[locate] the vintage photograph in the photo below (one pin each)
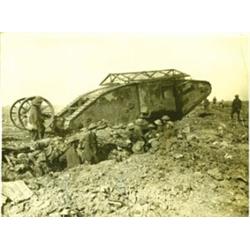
(124, 125)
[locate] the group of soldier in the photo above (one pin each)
(140, 131)
(235, 107)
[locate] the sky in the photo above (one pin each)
(62, 66)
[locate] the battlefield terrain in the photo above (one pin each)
(199, 168)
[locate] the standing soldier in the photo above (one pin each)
(91, 147)
(36, 120)
(214, 101)
(206, 104)
(221, 104)
(236, 107)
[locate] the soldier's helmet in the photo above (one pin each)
(165, 118)
(37, 100)
(170, 124)
(158, 122)
(151, 126)
(236, 96)
(141, 122)
(131, 126)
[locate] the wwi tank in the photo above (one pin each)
(123, 97)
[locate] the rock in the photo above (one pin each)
(117, 204)
(191, 137)
(216, 174)
(16, 209)
(186, 130)
(240, 175)
(21, 156)
(92, 125)
(228, 156)
(224, 144)
(16, 190)
(180, 136)
(178, 156)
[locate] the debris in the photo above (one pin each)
(228, 156)
(16, 190)
(178, 156)
(216, 174)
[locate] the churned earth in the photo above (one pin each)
(200, 171)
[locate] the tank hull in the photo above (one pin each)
(124, 103)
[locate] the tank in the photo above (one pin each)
(123, 97)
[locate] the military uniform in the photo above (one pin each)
(236, 107)
(91, 148)
(35, 120)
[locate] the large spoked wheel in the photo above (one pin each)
(14, 113)
(47, 111)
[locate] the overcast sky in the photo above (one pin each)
(62, 66)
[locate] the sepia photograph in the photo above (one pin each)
(124, 125)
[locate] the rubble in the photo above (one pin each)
(16, 191)
(180, 168)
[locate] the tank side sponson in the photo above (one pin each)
(190, 94)
(119, 105)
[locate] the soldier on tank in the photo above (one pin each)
(36, 119)
(236, 107)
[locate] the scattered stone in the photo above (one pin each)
(186, 130)
(178, 156)
(224, 144)
(216, 174)
(228, 156)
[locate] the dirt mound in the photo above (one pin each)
(198, 167)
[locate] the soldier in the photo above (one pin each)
(214, 101)
(36, 120)
(140, 128)
(91, 147)
(72, 157)
(206, 104)
(236, 107)
(221, 103)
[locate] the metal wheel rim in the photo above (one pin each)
(12, 114)
(20, 114)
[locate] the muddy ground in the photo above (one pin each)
(203, 173)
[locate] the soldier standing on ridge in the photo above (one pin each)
(236, 107)
(206, 104)
(36, 120)
(214, 101)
